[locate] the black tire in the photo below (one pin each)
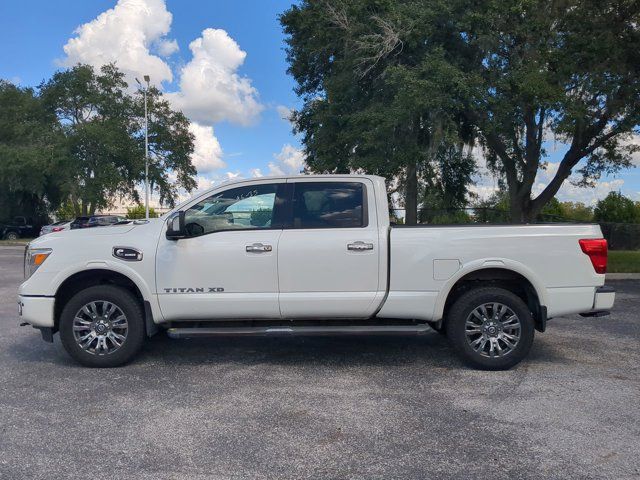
(463, 309)
(122, 299)
(11, 236)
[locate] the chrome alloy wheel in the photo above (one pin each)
(493, 330)
(100, 327)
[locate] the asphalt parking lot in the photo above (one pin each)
(336, 407)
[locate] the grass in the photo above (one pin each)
(19, 242)
(624, 261)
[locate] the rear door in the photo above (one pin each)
(328, 251)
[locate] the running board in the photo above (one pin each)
(298, 330)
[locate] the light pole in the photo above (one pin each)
(146, 148)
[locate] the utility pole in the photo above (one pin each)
(146, 148)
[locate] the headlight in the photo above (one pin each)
(33, 258)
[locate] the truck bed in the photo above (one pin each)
(427, 260)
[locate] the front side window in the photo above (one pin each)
(248, 207)
(329, 205)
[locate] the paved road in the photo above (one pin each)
(371, 407)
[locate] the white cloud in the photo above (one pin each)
(204, 183)
(291, 159)
(487, 184)
(275, 170)
(233, 176)
(14, 80)
(633, 140)
(589, 196)
(207, 153)
(166, 48)
(135, 34)
(124, 34)
(210, 88)
(284, 112)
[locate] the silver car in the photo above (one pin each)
(55, 227)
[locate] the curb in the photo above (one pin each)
(623, 276)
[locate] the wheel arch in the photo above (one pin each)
(89, 277)
(510, 275)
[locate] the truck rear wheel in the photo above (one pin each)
(11, 236)
(490, 328)
(102, 326)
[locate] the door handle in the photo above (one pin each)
(359, 246)
(258, 248)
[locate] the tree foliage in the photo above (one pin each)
(31, 156)
(104, 138)
(385, 81)
(536, 69)
(370, 86)
(139, 211)
(617, 208)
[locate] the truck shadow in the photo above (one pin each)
(430, 350)
(300, 350)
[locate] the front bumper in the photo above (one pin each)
(36, 310)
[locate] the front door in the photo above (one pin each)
(329, 252)
(227, 266)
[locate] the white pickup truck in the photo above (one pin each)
(308, 255)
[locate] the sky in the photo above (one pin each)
(222, 62)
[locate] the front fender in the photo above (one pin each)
(48, 283)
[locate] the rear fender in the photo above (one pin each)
(483, 264)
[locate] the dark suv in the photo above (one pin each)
(19, 227)
(104, 220)
(96, 221)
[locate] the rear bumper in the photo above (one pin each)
(36, 310)
(604, 298)
(603, 301)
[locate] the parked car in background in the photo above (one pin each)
(19, 227)
(97, 221)
(79, 222)
(104, 220)
(55, 227)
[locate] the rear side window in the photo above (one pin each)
(329, 205)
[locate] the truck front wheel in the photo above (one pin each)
(490, 328)
(102, 326)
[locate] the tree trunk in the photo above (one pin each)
(522, 209)
(516, 207)
(411, 195)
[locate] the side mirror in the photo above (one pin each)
(175, 226)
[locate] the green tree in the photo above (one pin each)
(383, 81)
(31, 155)
(533, 69)
(577, 211)
(617, 208)
(103, 128)
(138, 212)
(371, 90)
(443, 189)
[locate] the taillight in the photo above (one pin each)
(57, 229)
(596, 248)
